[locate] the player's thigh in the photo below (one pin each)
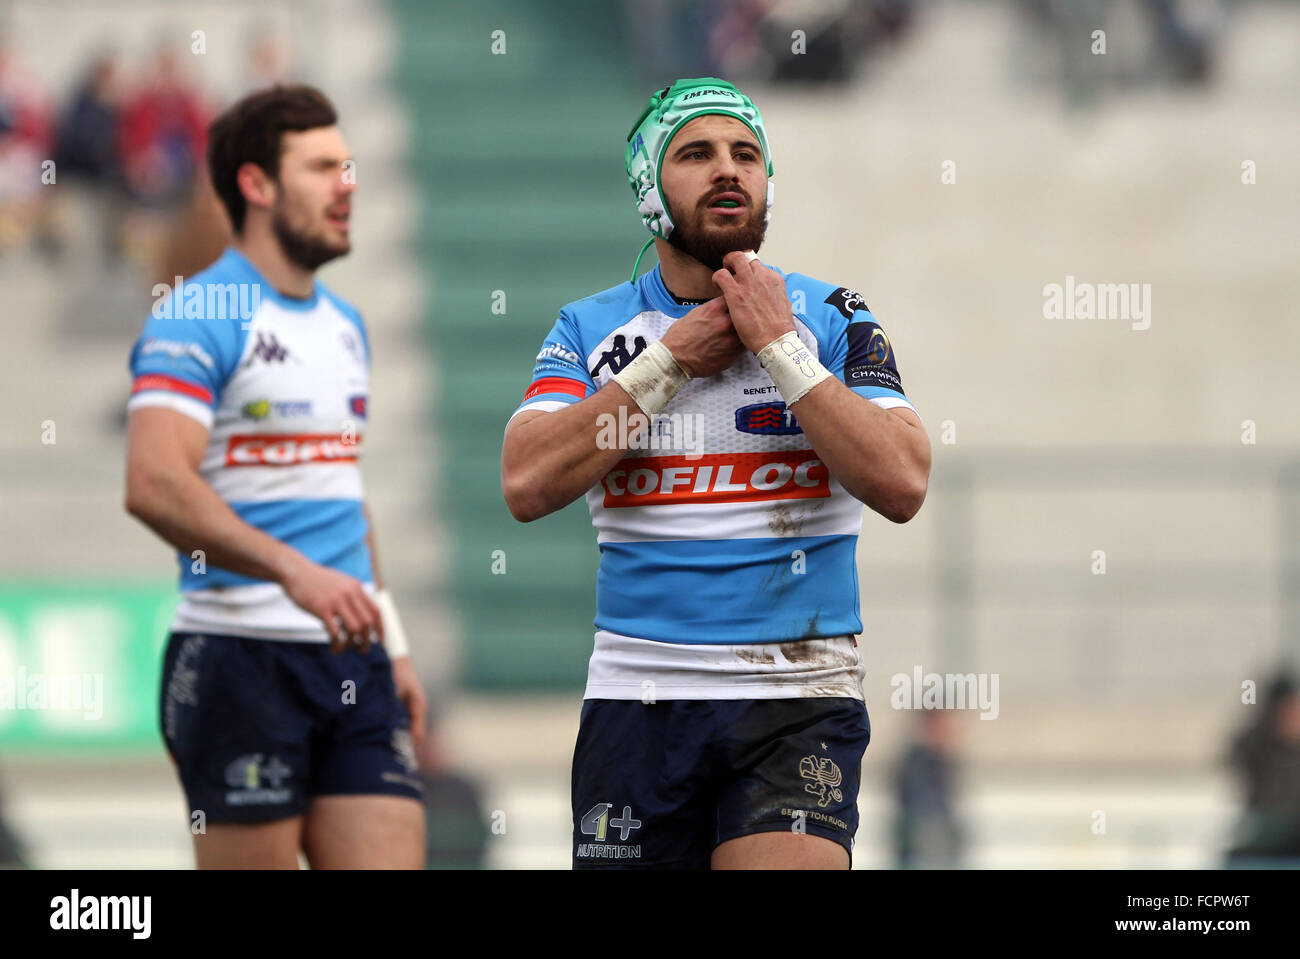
(640, 787)
(792, 803)
(263, 845)
(364, 832)
(780, 850)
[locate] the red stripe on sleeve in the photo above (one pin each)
(556, 384)
(156, 381)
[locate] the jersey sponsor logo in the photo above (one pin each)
(261, 409)
(290, 450)
(870, 358)
(771, 419)
(176, 349)
(557, 351)
(598, 824)
(156, 381)
(556, 384)
(351, 342)
(618, 356)
(268, 349)
(847, 302)
(256, 783)
(826, 779)
(717, 478)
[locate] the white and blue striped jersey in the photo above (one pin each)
(282, 385)
(723, 538)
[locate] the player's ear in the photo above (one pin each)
(258, 188)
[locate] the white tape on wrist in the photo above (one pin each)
(394, 635)
(653, 378)
(792, 366)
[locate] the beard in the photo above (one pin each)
(302, 249)
(709, 243)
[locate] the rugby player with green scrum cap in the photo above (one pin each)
(726, 422)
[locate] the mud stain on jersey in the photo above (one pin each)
(782, 521)
(757, 657)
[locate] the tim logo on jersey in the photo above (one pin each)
(768, 419)
(870, 359)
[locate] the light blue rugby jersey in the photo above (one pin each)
(725, 528)
(282, 385)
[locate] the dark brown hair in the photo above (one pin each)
(250, 132)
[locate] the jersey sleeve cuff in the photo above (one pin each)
(543, 406)
(889, 402)
(192, 408)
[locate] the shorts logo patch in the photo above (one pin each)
(597, 824)
(404, 749)
(247, 775)
(826, 778)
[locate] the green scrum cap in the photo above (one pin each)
(667, 112)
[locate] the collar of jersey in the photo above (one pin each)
(658, 296)
(244, 264)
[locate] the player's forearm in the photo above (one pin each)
(878, 457)
(188, 514)
(551, 460)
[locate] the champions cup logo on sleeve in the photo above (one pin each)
(717, 478)
(870, 359)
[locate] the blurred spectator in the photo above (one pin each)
(835, 37)
(24, 144)
(163, 135)
(1266, 755)
(86, 154)
(927, 833)
(162, 138)
(456, 831)
(86, 146)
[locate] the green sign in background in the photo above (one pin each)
(99, 648)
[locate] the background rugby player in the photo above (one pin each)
(289, 724)
(723, 722)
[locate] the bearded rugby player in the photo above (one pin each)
(724, 723)
(288, 697)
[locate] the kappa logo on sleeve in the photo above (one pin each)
(847, 302)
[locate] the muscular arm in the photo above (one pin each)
(881, 457)
(165, 492)
(550, 459)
